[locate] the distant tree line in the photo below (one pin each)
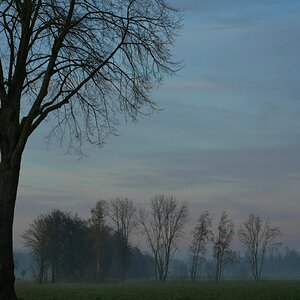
(65, 247)
(257, 238)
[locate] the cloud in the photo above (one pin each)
(230, 5)
(257, 169)
(201, 5)
(215, 84)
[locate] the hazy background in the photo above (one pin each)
(227, 139)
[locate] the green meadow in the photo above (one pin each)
(244, 290)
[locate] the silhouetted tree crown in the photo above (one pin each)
(80, 64)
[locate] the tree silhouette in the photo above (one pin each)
(58, 244)
(222, 253)
(201, 235)
(162, 227)
(98, 231)
(122, 212)
(79, 64)
(36, 240)
(258, 237)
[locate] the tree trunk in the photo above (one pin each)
(194, 269)
(218, 270)
(97, 268)
(9, 179)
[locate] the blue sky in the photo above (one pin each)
(227, 138)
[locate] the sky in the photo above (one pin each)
(227, 138)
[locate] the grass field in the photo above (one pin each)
(266, 290)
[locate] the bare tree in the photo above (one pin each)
(222, 253)
(162, 227)
(123, 214)
(202, 234)
(257, 237)
(98, 230)
(79, 64)
(36, 240)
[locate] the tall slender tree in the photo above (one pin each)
(201, 234)
(222, 252)
(98, 232)
(123, 215)
(79, 63)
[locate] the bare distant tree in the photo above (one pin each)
(201, 235)
(222, 253)
(162, 227)
(79, 63)
(36, 240)
(98, 230)
(257, 237)
(123, 214)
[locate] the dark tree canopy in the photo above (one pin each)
(80, 64)
(62, 248)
